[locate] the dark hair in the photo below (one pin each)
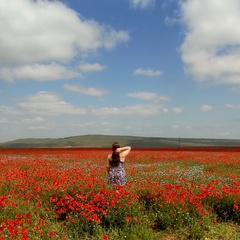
(115, 155)
(115, 145)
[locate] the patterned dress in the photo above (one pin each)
(117, 175)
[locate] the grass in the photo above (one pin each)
(105, 141)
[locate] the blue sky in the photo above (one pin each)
(119, 67)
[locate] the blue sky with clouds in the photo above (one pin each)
(167, 68)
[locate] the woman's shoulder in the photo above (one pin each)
(109, 156)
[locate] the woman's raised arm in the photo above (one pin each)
(124, 151)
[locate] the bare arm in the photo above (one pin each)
(124, 151)
(108, 167)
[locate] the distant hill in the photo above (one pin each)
(105, 141)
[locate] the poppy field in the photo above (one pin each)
(170, 194)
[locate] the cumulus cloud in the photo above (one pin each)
(87, 67)
(211, 48)
(37, 123)
(143, 110)
(148, 72)
(232, 106)
(39, 127)
(87, 91)
(206, 108)
(171, 21)
(37, 72)
(142, 4)
(84, 124)
(4, 121)
(35, 33)
(149, 96)
(93, 125)
(5, 110)
(47, 103)
(33, 120)
(177, 110)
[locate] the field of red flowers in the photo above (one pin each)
(170, 194)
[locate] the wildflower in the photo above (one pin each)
(24, 231)
(105, 237)
(51, 234)
(38, 205)
(235, 206)
(18, 216)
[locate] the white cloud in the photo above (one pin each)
(143, 110)
(177, 110)
(232, 106)
(142, 3)
(84, 125)
(4, 121)
(37, 72)
(211, 49)
(4, 110)
(37, 123)
(33, 120)
(171, 21)
(46, 103)
(110, 38)
(225, 134)
(39, 128)
(87, 91)
(87, 67)
(93, 125)
(149, 96)
(206, 108)
(165, 110)
(36, 33)
(147, 72)
(175, 126)
(181, 128)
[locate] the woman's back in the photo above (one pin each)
(115, 165)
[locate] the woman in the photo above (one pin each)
(115, 165)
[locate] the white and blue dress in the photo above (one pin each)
(117, 174)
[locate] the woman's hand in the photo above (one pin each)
(122, 149)
(118, 150)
